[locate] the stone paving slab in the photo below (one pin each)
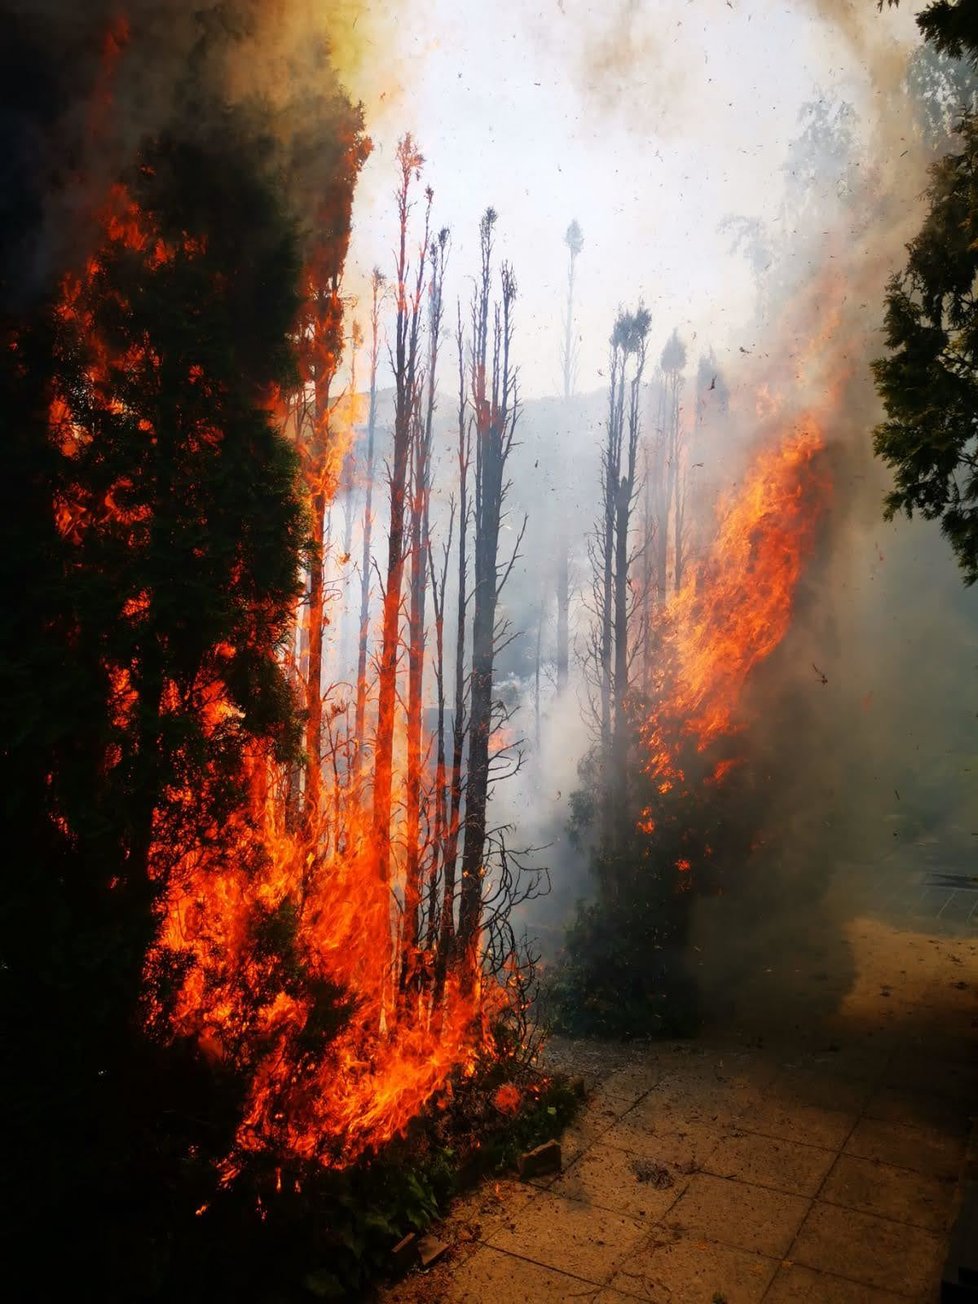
(869, 1186)
(792, 1167)
(738, 1213)
(492, 1275)
(921, 1149)
(811, 1169)
(571, 1236)
(795, 1284)
(671, 1266)
(622, 1182)
(869, 1250)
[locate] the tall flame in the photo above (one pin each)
(278, 947)
(735, 605)
(391, 1055)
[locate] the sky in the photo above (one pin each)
(647, 121)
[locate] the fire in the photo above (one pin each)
(393, 1052)
(735, 606)
(279, 944)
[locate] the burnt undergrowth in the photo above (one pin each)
(153, 1221)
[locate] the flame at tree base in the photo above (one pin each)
(287, 949)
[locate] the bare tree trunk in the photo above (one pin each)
(327, 309)
(611, 560)
(348, 485)
(314, 669)
(417, 588)
(677, 481)
(648, 535)
(366, 560)
(438, 589)
(420, 547)
(405, 360)
(446, 942)
(617, 792)
(662, 488)
(536, 675)
(610, 476)
(671, 364)
(495, 406)
(574, 241)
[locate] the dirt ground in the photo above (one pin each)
(817, 1163)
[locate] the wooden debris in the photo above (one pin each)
(537, 1163)
(404, 1255)
(430, 1250)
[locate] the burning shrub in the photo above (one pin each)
(683, 817)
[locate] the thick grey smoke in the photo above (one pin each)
(85, 85)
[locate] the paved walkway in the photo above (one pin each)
(733, 1170)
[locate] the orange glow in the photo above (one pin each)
(507, 1098)
(392, 1056)
(736, 604)
(288, 943)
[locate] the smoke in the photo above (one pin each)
(859, 724)
(87, 85)
(856, 737)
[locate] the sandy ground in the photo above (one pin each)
(816, 1162)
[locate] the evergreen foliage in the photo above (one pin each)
(151, 548)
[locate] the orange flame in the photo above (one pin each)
(391, 1056)
(735, 606)
(283, 948)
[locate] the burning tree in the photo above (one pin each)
(495, 404)
(663, 783)
(322, 431)
(612, 558)
(574, 240)
(161, 508)
(377, 283)
(234, 991)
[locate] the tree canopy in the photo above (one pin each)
(152, 545)
(929, 381)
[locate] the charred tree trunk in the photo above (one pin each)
(314, 667)
(325, 347)
(648, 536)
(672, 362)
(438, 589)
(536, 674)
(495, 407)
(417, 589)
(574, 240)
(446, 942)
(366, 559)
(617, 792)
(661, 493)
(348, 485)
(420, 547)
(405, 366)
(612, 646)
(610, 477)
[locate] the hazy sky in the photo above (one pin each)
(648, 121)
